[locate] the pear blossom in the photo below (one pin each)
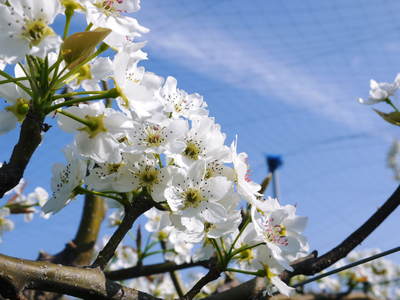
(203, 141)
(245, 186)
(24, 28)
(17, 109)
(195, 200)
(380, 91)
(178, 103)
(280, 229)
(5, 224)
(92, 73)
(99, 141)
(161, 137)
(110, 14)
(137, 87)
(65, 179)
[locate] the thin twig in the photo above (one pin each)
(348, 266)
(172, 274)
(315, 265)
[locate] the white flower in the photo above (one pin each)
(150, 137)
(5, 224)
(99, 141)
(247, 188)
(108, 14)
(203, 141)
(380, 91)
(280, 229)
(157, 220)
(18, 107)
(178, 103)
(90, 74)
(24, 28)
(195, 200)
(137, 88)
(65, 179)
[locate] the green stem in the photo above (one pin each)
(89, 26)
(13, 80)
(113, 93)
(83, 191)
(219, 253)
(241, 249)
(246, 222)
(68, 15)
(103, 47)
(255, 273)
(6, 75)
(391, 104)
(68, 95)
(73, 117)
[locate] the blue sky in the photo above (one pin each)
(284, 76)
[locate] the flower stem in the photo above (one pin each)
(73, 117)
(12, 79)
(68, 16)
(391, 104)
(255, 273)
(83, 191)
(108, 94)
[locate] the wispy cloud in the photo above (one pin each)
(248, 67)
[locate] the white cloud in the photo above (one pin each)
(248, 67)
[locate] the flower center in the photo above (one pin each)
(192, 197)
(109, 6)
(246, 255)
(35, 31)
(192, 150)
(148, 176)
(113, 168)
(154, 137)
(96, 125)
(84, 73)
(275, 233)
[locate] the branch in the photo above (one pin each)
(132, 211)
(312, 264)
(79, 252)
(86, 283)
(213, 274)
(315, 265)
(29, 139)
(139, 271)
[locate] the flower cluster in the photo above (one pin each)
(144, 137)
(379, 278)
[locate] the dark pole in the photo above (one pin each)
(273, 163)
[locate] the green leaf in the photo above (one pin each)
(392, 118)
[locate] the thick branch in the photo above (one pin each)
(132, 212)
(79, 252)
(29, 139)
(86, 283)
(139, 271)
